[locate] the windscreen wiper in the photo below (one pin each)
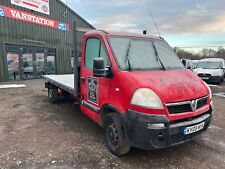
(158, 58)
(127, 59)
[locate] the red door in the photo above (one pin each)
(93, 89)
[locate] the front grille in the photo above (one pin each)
(179, 108)
(180, 137)
(204, 75)
(192, 118)
(177, 135)
(187, 106)
(201, 103)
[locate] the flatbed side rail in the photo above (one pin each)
(59, 85)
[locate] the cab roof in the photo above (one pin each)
(127, 34)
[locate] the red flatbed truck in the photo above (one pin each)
(136, 88)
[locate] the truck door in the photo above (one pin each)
(93, 90)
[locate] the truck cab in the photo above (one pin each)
(136, 88)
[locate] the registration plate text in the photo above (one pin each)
(193, 129)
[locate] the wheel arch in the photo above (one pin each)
(106, 109)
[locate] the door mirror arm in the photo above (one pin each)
(109, 72)
(189, 67)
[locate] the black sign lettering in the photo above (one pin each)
(93, 89)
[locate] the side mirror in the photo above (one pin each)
(99, 67)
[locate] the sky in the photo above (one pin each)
(189, 24)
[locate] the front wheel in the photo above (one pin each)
(220, 81)
(116, 140)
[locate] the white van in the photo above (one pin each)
(188, 64)
(211, 70)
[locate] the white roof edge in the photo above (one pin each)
(212, 59)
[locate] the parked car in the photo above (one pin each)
(211, 70)
(194, 63)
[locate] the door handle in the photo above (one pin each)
(82, 80)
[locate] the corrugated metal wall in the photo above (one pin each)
(14, 32)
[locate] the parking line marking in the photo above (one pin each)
(12, 86)
(213, 85)
(215, 127)
(221, 94)
(215, 144)
(210, 85)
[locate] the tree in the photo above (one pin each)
(205, 53)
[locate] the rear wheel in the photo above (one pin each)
(53, 94)
(116, 140)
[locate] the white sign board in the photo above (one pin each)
(36, 5)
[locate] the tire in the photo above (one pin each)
(115, 138)
(218, 83)
(66, 95)
(53, 94)
(221, 80)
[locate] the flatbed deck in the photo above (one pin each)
(65, 82)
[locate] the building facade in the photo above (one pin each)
(36, 38)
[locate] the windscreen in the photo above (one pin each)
(143, 54)
(210, 65)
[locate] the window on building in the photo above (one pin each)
(13, 66)
(12, 58)
(72, 57)
(51, 61)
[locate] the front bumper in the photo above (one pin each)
(211, 79)
(140, 136)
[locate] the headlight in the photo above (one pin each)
(195, 71)
(210, 92)
(146, 98)
(217, 73)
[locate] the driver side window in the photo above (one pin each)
(95, 48)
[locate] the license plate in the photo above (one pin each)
(193, 129)
(205, 78)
